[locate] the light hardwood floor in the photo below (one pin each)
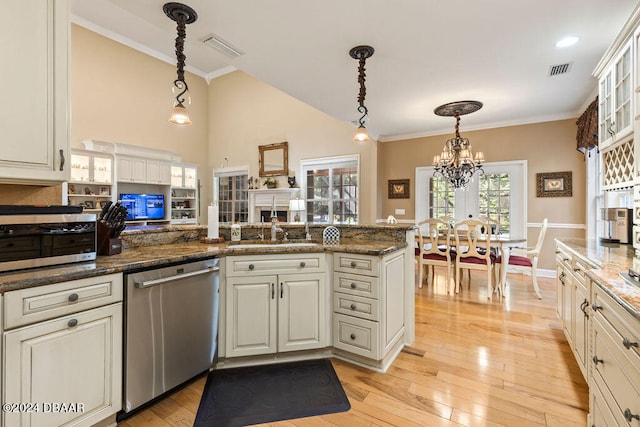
(473, 363)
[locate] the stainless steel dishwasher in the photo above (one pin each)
(171, 326)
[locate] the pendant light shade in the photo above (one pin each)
(180, 116)
(361, 135)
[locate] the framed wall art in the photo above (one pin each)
(398, 188)
(554, 184)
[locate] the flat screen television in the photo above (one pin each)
(143, 206)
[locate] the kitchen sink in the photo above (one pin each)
(272, 244)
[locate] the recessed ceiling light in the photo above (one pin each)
(567, 41)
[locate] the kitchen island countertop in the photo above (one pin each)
(611, 260)
(145, 257)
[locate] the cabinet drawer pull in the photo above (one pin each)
(273, 291)
(576, 269)
(353, 285)
(353, 264)
(630, 416)
(302, 264)
(281, 290)
(73, 297)
(353, 306)
(565, 259)
(353, 336)
(628, 344)
(251, 267)
(73, 322)
(596, 360)
(596, 307)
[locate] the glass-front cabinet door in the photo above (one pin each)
(615, 117)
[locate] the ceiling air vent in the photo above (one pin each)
(222, 46)
(559, 69)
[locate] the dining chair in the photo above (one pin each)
(474, 256)
(435, 250)
(527, 263)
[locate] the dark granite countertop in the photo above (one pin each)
(144, 257)
(611, 260)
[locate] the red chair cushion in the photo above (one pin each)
(475, 260)
(417, 251)
(521, 261)
(435, 257)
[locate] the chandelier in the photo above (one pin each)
(456, 163)
(182, 15)
(361, 53)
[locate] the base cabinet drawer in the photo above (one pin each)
(355, 335)
(351, 305)
(355, 284)
(26, 306)
(355, 263)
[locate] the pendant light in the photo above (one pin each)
(361, 53)
(182, 15)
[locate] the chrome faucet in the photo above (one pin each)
(274, 229)
(261, 235)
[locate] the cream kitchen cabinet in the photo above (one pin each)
(573, 302)
(615, 120)
(131, 169)
(615, 361)
(35, 122)
(368, 307)
(63, 345)
(143, 171)
(275, 304)
(184, 194)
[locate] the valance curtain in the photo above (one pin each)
(587, 135)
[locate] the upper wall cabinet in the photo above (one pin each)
(614, 112)
(617, 107)
(35, 120)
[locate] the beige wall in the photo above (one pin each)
(246, 113)
(547, 147)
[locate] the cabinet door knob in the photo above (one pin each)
(353, 285)
(71, 323)
(73, 297)
(353, 264)
(251, 266)
(302, 264)
(596, 360)
(630, 416)
(353, 306)
(353, 336)
(628, 343)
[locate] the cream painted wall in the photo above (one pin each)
(547, 147)
(246, 113)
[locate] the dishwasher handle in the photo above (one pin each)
(149, 283)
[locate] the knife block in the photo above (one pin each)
(107, 244)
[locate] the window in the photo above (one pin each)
(230, 190)
(494, 201)
(331, 189)
(500, 194)
(441, 198)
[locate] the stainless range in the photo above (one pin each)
(37, 236)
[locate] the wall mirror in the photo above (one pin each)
(274, 159)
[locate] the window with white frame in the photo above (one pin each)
(499, 193)
(230, 191)
(331, 189)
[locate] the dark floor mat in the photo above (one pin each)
(260, 394)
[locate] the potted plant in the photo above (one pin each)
(270, 182)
